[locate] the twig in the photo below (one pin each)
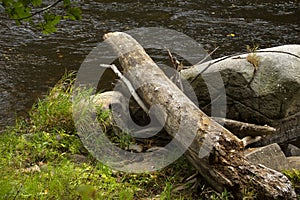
(209, 64)
(208, 55)
(283, 52)
(129, 86)
(243, 129)
(40, 11)
(178, 66)
(174, 61)
(250, 140)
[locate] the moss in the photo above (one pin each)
(294, 176)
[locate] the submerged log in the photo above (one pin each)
(215, 152)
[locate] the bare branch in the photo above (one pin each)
(243, 129)
(129, 86)
(40, 11)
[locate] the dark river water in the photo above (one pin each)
(31, 63)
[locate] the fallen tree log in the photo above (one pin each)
(249, 133)
(242, 129)
(215, 152)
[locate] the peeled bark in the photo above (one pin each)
(215, 152)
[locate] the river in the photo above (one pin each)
(31, 63)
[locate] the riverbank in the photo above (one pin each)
(43, 158)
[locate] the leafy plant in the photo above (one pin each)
(55, 111)
(294, 176)
(225, 195)
(42, 17)
(166, 195)
(86, 192)
(126, 195)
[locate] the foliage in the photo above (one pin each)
(39, 15)
(55, 110)
(40, 160)
(294, 176)
(225, 195)
(37, 159)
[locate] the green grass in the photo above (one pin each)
(37, 159)
(40, 160)
(294, 176)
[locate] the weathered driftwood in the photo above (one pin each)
(250, 133)
(106, 99)
(287, 131)
(222, 163)
(242, 129)
(131, 89)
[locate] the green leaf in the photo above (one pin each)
(86, 192)
(74, 13)
(6, 3)
(51, 21)
(67, 4)
(20, 11)
(36, 2)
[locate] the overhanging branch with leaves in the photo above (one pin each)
(21, 11)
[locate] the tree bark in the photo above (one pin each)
(242, 129)
(215, 152)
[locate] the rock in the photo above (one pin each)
(135, 147)
(294, 162)
(292, 150)
(270, 96)
(31, 169)
(270, 156)
(78, 158)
